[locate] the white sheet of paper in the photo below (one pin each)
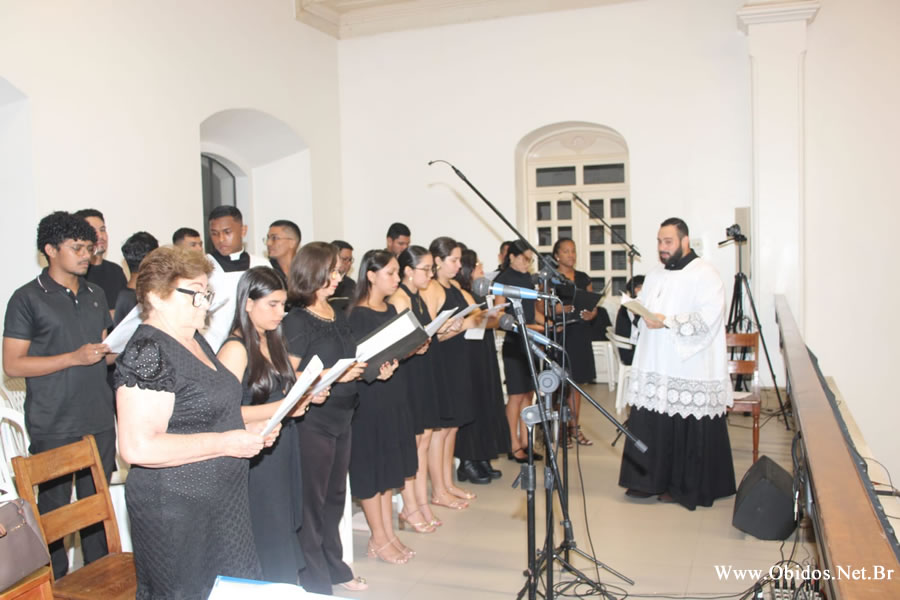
(438, 322)
(299, 388)
(386, 337)
(477, 333)
(468, 310)
(118, 337)
(637, 308)
(334, 373)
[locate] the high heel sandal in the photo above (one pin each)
(454, 503)
(357, 584)
(406, 550)
(373, 552)
(463, 494)
(576, 434)
(419, 526)
(435, 522)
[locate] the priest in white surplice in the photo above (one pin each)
(679, 384)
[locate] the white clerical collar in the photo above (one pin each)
(236, 255)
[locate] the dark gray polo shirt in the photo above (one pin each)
(74, 401)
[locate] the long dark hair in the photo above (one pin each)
(262, 375)
(468, 262)
(516, 248)
(372, 262)
(310, 271)
(411, 257)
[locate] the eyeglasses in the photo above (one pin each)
(275, 238)
(348, 260)
(426, 269)
(198, 297)
(80, 248)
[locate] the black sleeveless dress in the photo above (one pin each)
(578, 335)
(276, 496)
(423, 393)
(383, 453)
(515, 361)
(452, 371)
(488, 435)
(189, 523)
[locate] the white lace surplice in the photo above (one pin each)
(682, 369)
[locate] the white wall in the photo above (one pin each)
(853, 211)
(672, 78)
(281, 191)
(118, 91)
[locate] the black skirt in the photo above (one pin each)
(688, 458)
(515, 366)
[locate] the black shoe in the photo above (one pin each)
(538, 456)
(468, 471)
(491, 471)
(631, 493)
(522, 460)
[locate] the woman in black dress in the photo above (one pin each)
(452, 375)
(416, 272)
(578, 335)
(181, 429)
(311, 328)
(519, 385)
(384, 443)
(487, 436)
(257, 355)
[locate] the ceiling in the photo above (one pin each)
(344, 19)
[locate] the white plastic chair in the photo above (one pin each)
(13, 442)
(12, 390)
(617, 341)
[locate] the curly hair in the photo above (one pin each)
(59, 226)
(162, 268)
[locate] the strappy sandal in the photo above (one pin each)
(579, 437)
(454, 503)
(379, 553)
(463, 494)
(406, 550)
(419, 526)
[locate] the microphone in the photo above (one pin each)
(508, 323)
(486, 287)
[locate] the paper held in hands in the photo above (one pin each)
(477, 333)
(438, 321)
(299, 388)
(639, 309)
(333, 374)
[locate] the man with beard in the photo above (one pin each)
(679, 386)
(53, 336)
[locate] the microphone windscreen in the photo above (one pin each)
(507, 323)
(482, 286)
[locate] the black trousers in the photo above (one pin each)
(58, 492)
(325, 459)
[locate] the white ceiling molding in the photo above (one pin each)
(776, 11)
(357, 18)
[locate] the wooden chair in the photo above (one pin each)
(36, 586)
(742, 344)
(110, 577)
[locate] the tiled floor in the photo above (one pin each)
(480, 553)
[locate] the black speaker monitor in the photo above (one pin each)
(764, 505)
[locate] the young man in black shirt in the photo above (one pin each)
(108, 275)
(53, 336)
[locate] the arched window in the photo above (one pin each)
(592, 161)
(219, 189)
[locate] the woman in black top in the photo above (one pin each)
(577, 335)
(625, 319)
(312, 328)
(519, 385)
(453, 374)
(256, 354)
(416, 271)
(384, 442)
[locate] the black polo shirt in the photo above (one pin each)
(109, 276)
(77, 400)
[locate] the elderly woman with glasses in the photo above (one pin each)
(180, 426)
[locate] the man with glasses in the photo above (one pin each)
(53, 336)
(230, 260)
(282, 243)
(344, 290)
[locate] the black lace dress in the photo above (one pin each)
(383, 453)
(276, 496)
(419, 368)
(189, 523)
(452, 370)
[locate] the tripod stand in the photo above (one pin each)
(736, 320)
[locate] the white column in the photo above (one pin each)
(776, 32)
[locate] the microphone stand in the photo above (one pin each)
(632, 251)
